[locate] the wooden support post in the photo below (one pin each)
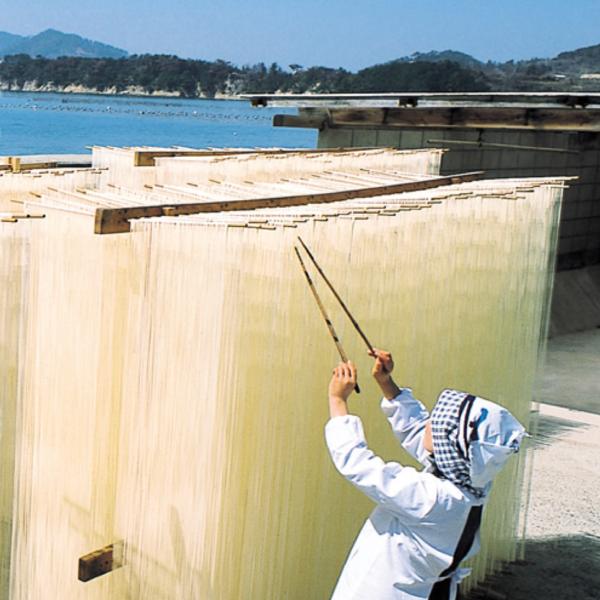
(15, 164)
(116, 220)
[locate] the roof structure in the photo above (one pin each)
(495, 110)
(430, 99)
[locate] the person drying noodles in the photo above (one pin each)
(426, 522)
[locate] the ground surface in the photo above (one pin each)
(562, 542)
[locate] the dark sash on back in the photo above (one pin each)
(441, 590)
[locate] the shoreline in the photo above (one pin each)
(130, 92)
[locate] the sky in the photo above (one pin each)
(334, 33)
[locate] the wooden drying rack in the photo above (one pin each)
(146, 157)
(116, 220)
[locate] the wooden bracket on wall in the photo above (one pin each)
(116, 220)
(99, 562)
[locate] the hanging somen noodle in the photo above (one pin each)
(172, 391)
(13, 281)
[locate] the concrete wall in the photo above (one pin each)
(575, 301)
(580, 222)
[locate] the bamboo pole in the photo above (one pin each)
(330, 328)
(338, 298)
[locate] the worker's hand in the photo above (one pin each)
(343, 382)
(383, 366)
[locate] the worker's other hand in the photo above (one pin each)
(343, 381)
(383, 366)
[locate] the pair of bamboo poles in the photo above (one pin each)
(330, 327)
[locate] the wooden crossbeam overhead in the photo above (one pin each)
(551, 119)
(116, 220)
(423, 99)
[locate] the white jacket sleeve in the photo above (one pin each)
(402, 490)
(407, 417)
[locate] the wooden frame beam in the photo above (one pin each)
(423, 99)
(16, 165)
(116, 220)
(549, 119)
(146, 158)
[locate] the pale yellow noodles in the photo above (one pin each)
(17, 188)
(172, 391)
(13, 281)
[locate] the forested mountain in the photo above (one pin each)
(52, 44)
(197, 78)
(442, 76)
(465, 60)
(578, 70)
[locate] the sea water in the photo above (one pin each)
(47, 123)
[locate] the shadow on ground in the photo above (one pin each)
(547, 428)
(570, 375)
(558, 568)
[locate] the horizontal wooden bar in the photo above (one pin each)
(391, 99)
(17, 166)
(28, 216)
(478, 144)
(116, 220)
(548, 119)
(14, 217)
(146, 158)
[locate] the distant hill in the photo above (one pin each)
(7, 40)
(583, 59)
(464, 60)
(53, 44)
(431, 76)
(576, 70)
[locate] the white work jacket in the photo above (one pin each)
(410, 538)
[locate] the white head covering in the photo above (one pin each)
(472, 439)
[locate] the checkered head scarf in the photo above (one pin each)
(472, 439)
